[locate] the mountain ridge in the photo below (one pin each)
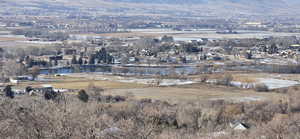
(215, 7)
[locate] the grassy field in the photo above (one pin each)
(253, 76)
(76, 83)
(102, 84)
(192, 35)
(11, 39)
(197, 92)
(190, 92)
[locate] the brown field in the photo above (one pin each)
(197, 92)
(252, 76)
(193, 92)
(77, 83)
(11, 39)
(125, 35)
(197, 34)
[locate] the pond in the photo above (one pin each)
(168, 70)
(130, 70)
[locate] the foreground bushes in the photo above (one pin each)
(36, 118)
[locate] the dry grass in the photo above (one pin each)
(173, 93)
(195, 92)
(102, 84)
(244, 79)
(11, 39)
(82, 84)
(201, 34)
(251, 77)
(126, 34)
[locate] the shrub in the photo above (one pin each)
(83, 96)
(94, 91)
(225, 80)
(294, 104)
(261, 88)
(119, 98)
(282, 90)
(233, 110)
(146, 100)
(50, 95)
(112, 99)
(204, 78)
(28, 89)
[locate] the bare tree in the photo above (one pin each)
(12, 68)
(34, 72)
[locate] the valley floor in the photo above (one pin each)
(117, 85)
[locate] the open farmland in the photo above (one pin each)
(149, 69)
(198, 92)
(175, 94)
(82, 83)
(4, 39)
(193, 35)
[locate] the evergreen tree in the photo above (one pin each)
(248, 55)
(80, 61)
(273, 49)
(102, 55)
(55, 62)
(29, 61)
(74, 60)
(8, 92)
(83, 96)
(50, 95)
(92, 59)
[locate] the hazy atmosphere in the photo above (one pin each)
(149, 69)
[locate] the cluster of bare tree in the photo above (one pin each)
(45, 34)
(12, 68)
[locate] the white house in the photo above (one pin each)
(239, 126)
(20, 78)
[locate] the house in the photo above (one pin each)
(69, 51)
(2, 88)
(171, 59)
(2, 24)
(295, 47)
(54, 58)
(63, 62)
(112, 131)
(254, 24)
(132, 59)
(117, 61)
(191, 58)
(61, 90)
(59, 75)
(20, 78)
(239, 126)
(44, 88)
(18, 91)
(213, 56)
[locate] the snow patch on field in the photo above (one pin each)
(277, 83)
(242, 99)
(271, 83)
(163, 82)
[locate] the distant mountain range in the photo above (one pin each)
(197, 2)
(191, 1)
(166, 7)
